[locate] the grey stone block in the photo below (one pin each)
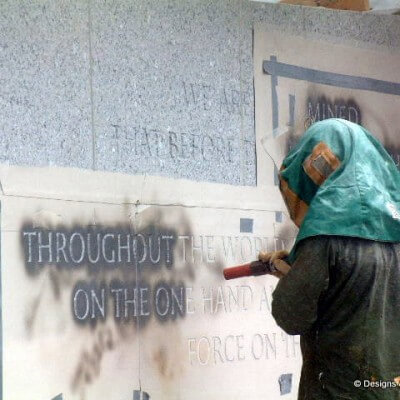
(172, 89)
(44, 83)
(288, 17)
(393, 31)
(357, 29)
(170, 97)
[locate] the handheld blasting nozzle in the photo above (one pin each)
(254, 268)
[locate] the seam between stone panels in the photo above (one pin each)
(94, 161)
(136, 213)
(134, 203)
(242, 151)
(254, 133)
(142, 188)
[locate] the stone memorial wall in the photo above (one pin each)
(135, 164)
(147, 87)
(104, 298)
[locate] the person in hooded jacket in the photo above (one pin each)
(341, 292)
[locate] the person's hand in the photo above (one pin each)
(275, 258)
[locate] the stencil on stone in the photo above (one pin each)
(277, 69)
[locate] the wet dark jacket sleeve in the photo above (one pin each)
(295, 299)
(342, 295)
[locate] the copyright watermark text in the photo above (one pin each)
(376, 384)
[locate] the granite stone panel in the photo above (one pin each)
(44, 83)
(171, 97)
(148, 87)
(393, 31)
(359, 29)
(289, 18)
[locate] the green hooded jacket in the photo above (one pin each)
(342, 293)
(346, 184)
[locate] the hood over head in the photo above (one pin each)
(339, 180)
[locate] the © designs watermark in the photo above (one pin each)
(377, 384)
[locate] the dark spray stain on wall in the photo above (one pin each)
(117, 262)
(119, 279)
(320, 107)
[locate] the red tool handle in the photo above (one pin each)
(238, 271)
(251, 269)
